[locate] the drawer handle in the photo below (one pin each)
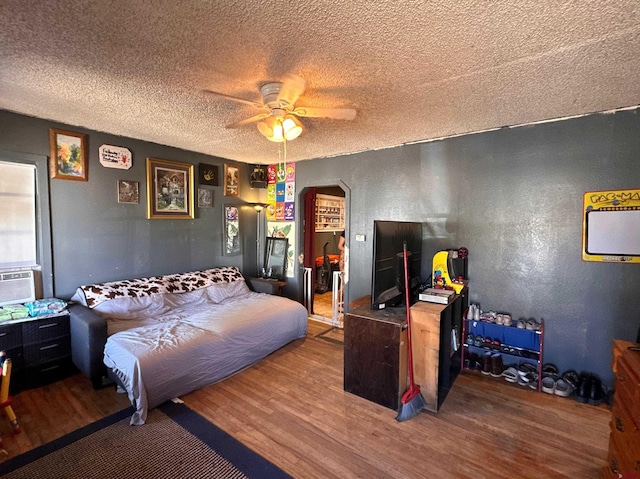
(47, 325)
(619, 424)
(3, 334)
(49, 347)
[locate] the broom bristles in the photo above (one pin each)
(411, 407)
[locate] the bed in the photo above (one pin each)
(167, 336)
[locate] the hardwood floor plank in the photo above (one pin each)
(291, 408)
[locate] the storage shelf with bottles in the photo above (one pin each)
(516, 345)
(329, 213)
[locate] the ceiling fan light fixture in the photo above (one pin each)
(291, 127)
(278, 130)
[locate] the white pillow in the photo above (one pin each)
(217, 293)
(128, 306)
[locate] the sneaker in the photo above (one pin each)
(532, 325)
(521, 324)
(507, 319)
(510, 374)
(548, 385)
(563, 388)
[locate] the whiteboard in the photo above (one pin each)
(613, 232)
(611, 226)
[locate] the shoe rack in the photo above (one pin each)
(515, 344)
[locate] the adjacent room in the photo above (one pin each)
(314, 239)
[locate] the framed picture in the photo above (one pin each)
(170, 192)
(208, 175)
(205, 198)
(128, 192)
(68, 152)
(231, 180)
(231, 230)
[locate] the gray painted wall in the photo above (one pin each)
(96, 239)
(513, 197)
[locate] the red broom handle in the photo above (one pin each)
(407, 301)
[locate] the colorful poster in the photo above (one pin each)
(289, 191)
(289, 211)
(279, 192)
(271, 174)
(290, 173)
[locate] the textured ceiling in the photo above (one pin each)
(413, 70)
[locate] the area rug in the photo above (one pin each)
(175, 443)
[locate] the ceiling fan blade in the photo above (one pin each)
(291, 89)
(233, 98)
(253, 119)
(332, 113)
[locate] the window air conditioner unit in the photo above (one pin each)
(16, 287)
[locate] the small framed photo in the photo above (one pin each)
(205, 198)
(231, 180)
(208, 175)
(128, 192)
(68, 152)
(170, 192)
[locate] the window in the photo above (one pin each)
(17, 215)
(25, 225)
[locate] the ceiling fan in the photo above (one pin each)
(278, 111)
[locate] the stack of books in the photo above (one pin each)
(440, 296)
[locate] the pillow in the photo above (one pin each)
(91, 295)
(217, 293)
(126, 306)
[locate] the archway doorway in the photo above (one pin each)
(325, 264)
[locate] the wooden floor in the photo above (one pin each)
(291, 409)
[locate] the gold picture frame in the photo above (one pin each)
(170, 190)
(231, 181)
(68, 155)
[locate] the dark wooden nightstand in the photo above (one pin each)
(265, 285)
(40, 349)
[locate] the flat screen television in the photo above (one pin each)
(387, 285)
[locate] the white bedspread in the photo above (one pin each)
(177, 343)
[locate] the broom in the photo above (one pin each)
(412, 400)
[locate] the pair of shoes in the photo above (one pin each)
(572, 378)
(528, 375)
(511, 374)
(532, 325)
(590, 390)
(550, 369)
(504, 319)
(559, 387)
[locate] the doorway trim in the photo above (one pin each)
(301, 227)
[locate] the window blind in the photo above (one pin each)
(18, 239)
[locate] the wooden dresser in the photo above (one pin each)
(375, 355)
(623, 459)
